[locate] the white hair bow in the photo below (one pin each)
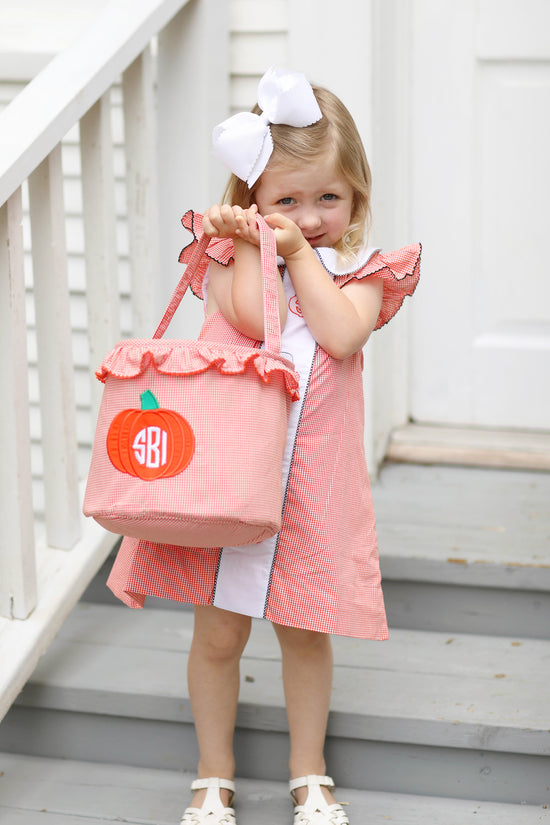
(244, 143)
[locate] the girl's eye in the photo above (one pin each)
(285, 201)
(329, 197)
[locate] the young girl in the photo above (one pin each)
(298, 161)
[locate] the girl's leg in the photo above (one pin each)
(307, 679)
(219, 639)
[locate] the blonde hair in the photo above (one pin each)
(337, 134)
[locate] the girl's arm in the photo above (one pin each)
(237, 291)
(340, 320)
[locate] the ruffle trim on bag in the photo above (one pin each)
(220, 250)
(131, 358)
(400, 271)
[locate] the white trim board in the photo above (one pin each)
(432, 444)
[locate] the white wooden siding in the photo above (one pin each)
(259, 38)
(258, 16)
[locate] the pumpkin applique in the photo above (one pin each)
(151, 442)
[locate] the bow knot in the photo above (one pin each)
(244, 143)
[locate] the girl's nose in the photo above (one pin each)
(309, 219)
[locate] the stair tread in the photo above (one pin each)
(35, 790)
(464, 525)
(471, 446)
(462, 690)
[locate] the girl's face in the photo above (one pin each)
(316, 197)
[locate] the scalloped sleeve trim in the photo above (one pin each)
(220, 250)
(171, 357)
(399, 270)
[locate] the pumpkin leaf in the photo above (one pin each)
(148, 401)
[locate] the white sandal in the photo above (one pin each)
(212, 810)
(316, 810)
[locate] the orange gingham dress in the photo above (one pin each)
(321, 571)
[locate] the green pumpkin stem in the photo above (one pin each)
(148, 401)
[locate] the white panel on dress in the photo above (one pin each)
(244, 573)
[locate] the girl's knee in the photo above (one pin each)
(293, 638)
(220, 634)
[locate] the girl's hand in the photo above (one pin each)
(235, 222)
(237, 290)
(289, 237)
(247, 225)
(232, 222)
(223, 221)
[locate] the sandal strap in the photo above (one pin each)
(213, 782)
(311, 779)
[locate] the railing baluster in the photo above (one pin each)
(17, 557)
(102, 286)
(55, 363)
(139, 136)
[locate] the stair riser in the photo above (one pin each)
(419, 605)
(381, 766)
(461, 609)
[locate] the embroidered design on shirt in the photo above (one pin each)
(150, 443)
(294, 307)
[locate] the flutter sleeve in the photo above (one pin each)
(220, 250)
(399, 270)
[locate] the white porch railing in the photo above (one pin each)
(44, 571)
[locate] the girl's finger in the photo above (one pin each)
(226, 212)
(242, 226)
(252, 218)
(276, 220)
(252, 224)
(208, 226)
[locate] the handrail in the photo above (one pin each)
(41, 578)
(44, 111)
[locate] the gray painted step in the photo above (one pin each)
(458, 525)
(465, 550)
(461, 715)
(58, 792)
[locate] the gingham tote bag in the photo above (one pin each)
(190, 435)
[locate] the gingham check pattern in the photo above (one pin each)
(236, 400)
(325, 575)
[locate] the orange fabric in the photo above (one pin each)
(150, 444)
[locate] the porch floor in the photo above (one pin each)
(61, 792)
(452, 708)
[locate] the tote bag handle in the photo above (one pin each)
(268, 255)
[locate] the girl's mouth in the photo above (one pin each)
(315, 240)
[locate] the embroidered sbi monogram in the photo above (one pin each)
(295, 307)
(150, 443)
